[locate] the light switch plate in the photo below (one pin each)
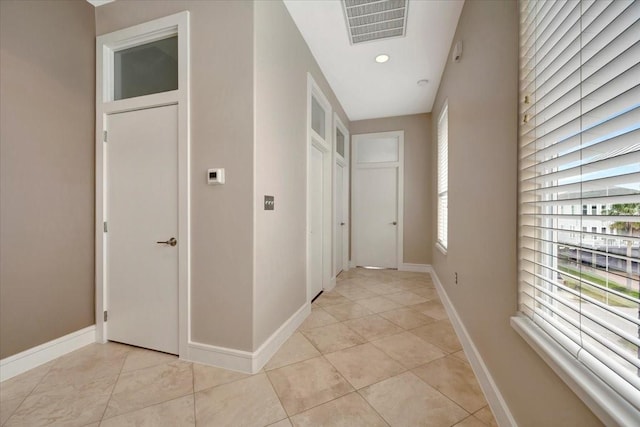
(269, 203)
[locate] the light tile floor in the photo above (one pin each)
(378, 350)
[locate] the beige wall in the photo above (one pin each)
(483, 105)
(221, 136)
(417, 179)
(47, 101)
(282, 60)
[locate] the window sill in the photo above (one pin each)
(611, 408)
(441, 248)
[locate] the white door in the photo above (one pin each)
(142, 212)
(377, 221)
(340, 218)
(377, 199)
(315, 232)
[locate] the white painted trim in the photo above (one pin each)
(418, 268)
(325, 146)
(98, 3)
(272, 344)
(611, 408)
(497, 403)
(400, 170)
(246, 361)
(344, 162)
(222, 357)
(36, 356)
(105, 45)
(332, 284)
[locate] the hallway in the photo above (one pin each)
(378, 350)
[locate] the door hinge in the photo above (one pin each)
(104, 136)
(105, 315)
(104, 226)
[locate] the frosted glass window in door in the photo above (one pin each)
(339, 142)
(146, 69)
(317, 117)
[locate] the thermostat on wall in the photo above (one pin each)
(215, 176)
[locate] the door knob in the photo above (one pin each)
(342, 223)
(171, 242)
(394, 223)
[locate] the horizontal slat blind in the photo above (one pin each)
(443, 176)
(579, 182)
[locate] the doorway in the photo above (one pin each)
(142, 212)
(377, 199)
(341, 197)
(142, 185)
(319, 191)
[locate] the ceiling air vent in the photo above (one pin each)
(370, 20)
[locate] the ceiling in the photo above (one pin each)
(365, 88)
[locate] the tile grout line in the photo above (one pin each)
(144, 407)
(288, 417)
(193, 393)
(106, 406)
(53, 363)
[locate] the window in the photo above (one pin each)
(580, 144)
(443, 176)
(146, 69)
(339, 142)
(317, 117)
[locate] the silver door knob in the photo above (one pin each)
(171, 242)
(394, 223)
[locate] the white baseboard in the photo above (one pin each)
(418, 268)
(246, 361)
(275, 341)
(497, 403)
(332, 284)
(36, 356)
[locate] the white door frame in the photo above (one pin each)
(400, 165)
(105, 105)
(324, 145)
(344, 162)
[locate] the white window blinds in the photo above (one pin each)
(443, 175)
(579, 182)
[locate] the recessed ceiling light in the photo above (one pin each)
(423, 82)
(382, 58)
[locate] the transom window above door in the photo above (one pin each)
(146, 69)
(339, 142)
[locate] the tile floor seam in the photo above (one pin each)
(32, 389)
(374, 409)
(193, 393)
(443, 395)
(124, 359)
(446, 352)
(144, 407)
(386, 378)
(279, 399)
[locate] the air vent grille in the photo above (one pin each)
(370, 20)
